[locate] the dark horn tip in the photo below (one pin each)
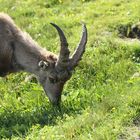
(84, 31)
(58, 28)
(61, 34)
(84, 27)
(53, 24)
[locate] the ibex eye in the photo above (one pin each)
(43, 65)
(52, 80)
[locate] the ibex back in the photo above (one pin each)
(19, 52)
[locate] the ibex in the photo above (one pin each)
(19, 52)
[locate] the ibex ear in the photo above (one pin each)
(43, 65)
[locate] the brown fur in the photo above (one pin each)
(10, 33)
(6, 50)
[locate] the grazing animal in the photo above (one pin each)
(19, 52)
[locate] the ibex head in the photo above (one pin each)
(54, 74)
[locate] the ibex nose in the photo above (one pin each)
(56, 101)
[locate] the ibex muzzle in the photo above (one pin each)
(22, 53)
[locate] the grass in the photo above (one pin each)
(102, 100)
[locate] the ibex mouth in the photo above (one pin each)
(56, 101)
(54, 98)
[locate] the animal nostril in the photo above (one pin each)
(56, 101)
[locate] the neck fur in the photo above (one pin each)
(28, 53)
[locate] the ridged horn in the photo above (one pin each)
(64, 51)
(77, 55)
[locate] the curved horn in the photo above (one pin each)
(77, 55)
(64, 51)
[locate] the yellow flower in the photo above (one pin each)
(60, 1)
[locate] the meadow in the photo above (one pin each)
(102, 99)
